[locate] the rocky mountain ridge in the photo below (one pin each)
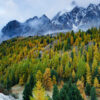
(78, 18)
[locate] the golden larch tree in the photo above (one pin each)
(74, 59)
(80, 86)
(96, 83)
(39, 92)
(47, 79)
(82, 79)
(87, 57)
(73, 74)
(39, 76)
(88, 74)
(96, 52)
(94, 65)
(67, 70)
(60, 71)
(72, 40)
(54, 80)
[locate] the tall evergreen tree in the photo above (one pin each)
(93, 94)
(8, 84)
(88, 89)
(68, 43)
(55, 95)
(66, 87)
(63, 94)
(27, 92)
(28, 88)
(74, 93)
(31, 81)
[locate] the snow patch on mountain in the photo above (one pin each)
(63, 12)
(75, 28)
(56, 22)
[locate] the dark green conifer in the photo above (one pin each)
(93, 94)
(55, 95)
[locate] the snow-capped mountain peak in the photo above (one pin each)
(32, 19)
(77, 18)
(63, 12)
(91, 7)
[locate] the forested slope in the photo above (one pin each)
(72, 58)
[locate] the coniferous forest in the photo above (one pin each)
(67, 65)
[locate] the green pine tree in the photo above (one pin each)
(74, 93)
(8, 84)
(63, 94)
(27, 92)
(55, 95)
(31, 81)
(93, 94)
(28, 88)
(88, 89)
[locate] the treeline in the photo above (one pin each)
(53, 60)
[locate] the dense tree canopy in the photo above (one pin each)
(52, 60)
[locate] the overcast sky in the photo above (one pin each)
(24, 9)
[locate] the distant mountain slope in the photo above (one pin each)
(78, 18)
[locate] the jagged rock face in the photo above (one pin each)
(80, 18)
(12, 28)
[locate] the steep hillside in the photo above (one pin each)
(44, 61)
